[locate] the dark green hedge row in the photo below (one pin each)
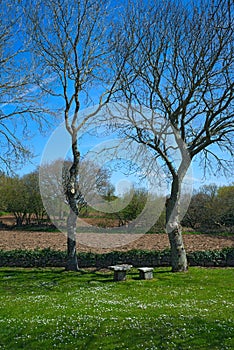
(48, 257)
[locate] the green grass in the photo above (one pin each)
(54, 309)
(4, 213)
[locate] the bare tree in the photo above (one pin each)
(54, 179)
(19, 110)
(178, 62)
(70, 45)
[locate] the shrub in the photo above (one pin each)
(137, 258)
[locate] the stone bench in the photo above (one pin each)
(146, 273)
(120, 271)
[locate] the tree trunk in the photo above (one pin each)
(72, 189)
(174, 229)
(19, 219)
(72, 263)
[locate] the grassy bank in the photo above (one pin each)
(53, 309)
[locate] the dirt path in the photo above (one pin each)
(89, 242)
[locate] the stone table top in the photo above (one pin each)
(122, 267)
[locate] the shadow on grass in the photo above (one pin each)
(50, 277)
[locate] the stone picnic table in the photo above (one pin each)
(120, 271)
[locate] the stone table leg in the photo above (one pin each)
(120, 275)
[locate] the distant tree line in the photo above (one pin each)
(21, 196)
(211, 207)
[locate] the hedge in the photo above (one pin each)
(50, 258)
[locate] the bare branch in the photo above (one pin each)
(20, 109)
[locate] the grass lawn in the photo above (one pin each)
(54, 309)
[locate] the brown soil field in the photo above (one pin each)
(100, 243)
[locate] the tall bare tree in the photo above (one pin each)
(18, 108)
(178, 62)
(69, 41)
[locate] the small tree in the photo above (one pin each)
(21, 196)
(203, 211)
(15, 198)
(35, 206)
(225, 198)
(92, 179)
(134, 208)
(211, 208)
(178, 64)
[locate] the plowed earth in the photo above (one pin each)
(100, 243)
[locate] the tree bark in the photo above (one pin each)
(174, 229)
(72, 263)
(19, 220)
(72, 189)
